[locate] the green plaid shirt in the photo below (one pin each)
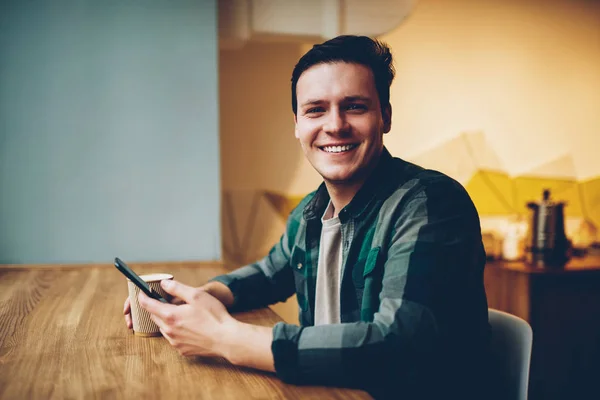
(413, 305)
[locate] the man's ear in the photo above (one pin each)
(296, 126)
(387, 118)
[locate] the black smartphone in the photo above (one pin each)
(139, 282)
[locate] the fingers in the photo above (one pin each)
(164, 329)
(162, 310)
(126, 306)
(178, 289)
(177, 301)
(162, 326)
(127, 313)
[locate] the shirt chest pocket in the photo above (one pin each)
(366, 267)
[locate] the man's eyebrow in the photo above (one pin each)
(346, 99)
(312, 102)
(358, 98)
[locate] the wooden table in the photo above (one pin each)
(562, 305)
(62, 335)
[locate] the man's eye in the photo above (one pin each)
(315, 110)
(360, 107)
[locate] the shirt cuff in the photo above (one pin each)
(285, 352)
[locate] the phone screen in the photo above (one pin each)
(139, 282)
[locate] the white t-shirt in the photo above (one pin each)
(327, 297)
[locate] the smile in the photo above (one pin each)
(338, 149)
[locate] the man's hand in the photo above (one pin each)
(220, 291)
(201, 326)
(127, 313)
(216, 289)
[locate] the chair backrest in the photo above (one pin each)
(512, 339)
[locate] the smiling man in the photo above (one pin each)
(385, 257)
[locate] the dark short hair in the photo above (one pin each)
(362, 50)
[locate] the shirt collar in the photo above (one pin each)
(373, 186)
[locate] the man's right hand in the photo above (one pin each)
(215, 289)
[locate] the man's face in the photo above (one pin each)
(339, 121)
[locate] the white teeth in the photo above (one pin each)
(338, 149)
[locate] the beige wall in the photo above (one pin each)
(523, 73)
(258, 146)
(258, 149)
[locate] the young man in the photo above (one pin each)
(385, 257)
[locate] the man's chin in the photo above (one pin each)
(340, 179)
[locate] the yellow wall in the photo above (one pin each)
(525, 72)
(524, 75)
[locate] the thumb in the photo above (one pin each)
(178, 289)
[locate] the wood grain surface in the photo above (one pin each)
(63, 336)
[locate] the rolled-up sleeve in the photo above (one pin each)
(428, 260)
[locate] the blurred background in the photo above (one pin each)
(163, 130)
(502, 95)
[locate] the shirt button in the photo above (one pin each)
(299, 265)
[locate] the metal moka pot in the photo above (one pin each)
(546, 243)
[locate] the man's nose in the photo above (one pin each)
(336, 123)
